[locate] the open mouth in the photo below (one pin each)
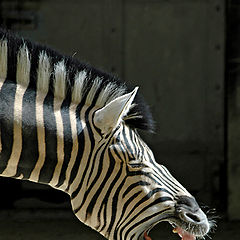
(185, 230)
(180, 231)
(185, 235)
(188, 220)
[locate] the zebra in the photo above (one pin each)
(75, 128)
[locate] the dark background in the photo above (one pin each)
(184, 55)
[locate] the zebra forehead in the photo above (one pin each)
(64, 76)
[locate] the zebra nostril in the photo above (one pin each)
(193, 217)
(188, 210)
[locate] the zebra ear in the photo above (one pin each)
(111, 115)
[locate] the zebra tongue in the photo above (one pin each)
(183, 234)
(146, 237)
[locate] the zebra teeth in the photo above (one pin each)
(174, 230)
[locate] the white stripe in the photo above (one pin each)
(79, 87)
(92, 92)
(59, 94)
(20, 177)
(3, 71)
(40, 136)
(60, 143)
(83, 161)
(78, 91)
(72, 114)
(44, 72)
(3, 62)
(22, 78)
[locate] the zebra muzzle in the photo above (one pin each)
(192, 221)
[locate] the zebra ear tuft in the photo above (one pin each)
(109, 117)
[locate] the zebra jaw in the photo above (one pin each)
(182, 233)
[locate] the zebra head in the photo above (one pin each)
(134, 192)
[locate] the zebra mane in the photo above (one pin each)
(67, 78)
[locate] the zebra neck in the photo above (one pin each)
(57, 129)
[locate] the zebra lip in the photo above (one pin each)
(146, 237)
(183, 234)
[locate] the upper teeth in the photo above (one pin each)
(174, 230)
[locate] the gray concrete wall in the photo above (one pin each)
(234, 154)
(233, 87)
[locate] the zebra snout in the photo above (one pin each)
(189, 211)
(188, 203)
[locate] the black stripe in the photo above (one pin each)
(117, 142)
(98, 130)
(142, 148)
(12, 60)
(91, 137)
(158, 181)
(132, 237)
(114, 204)
(29, 154)
(134, 185)
(92, 184)
(152, 161)
(134, 143)
(168, 182)
(170, 176)
(50, 163)
(100, 167)
(146, 218)
(106, 198)
(68, 142)
(146, 174)
(147, 197)
(109, 137)
(81, 145)
(92, 144)
(102, 185)
(7, 96)
(130, 151)
(132, 198)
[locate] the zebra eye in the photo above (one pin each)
(136, 165)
